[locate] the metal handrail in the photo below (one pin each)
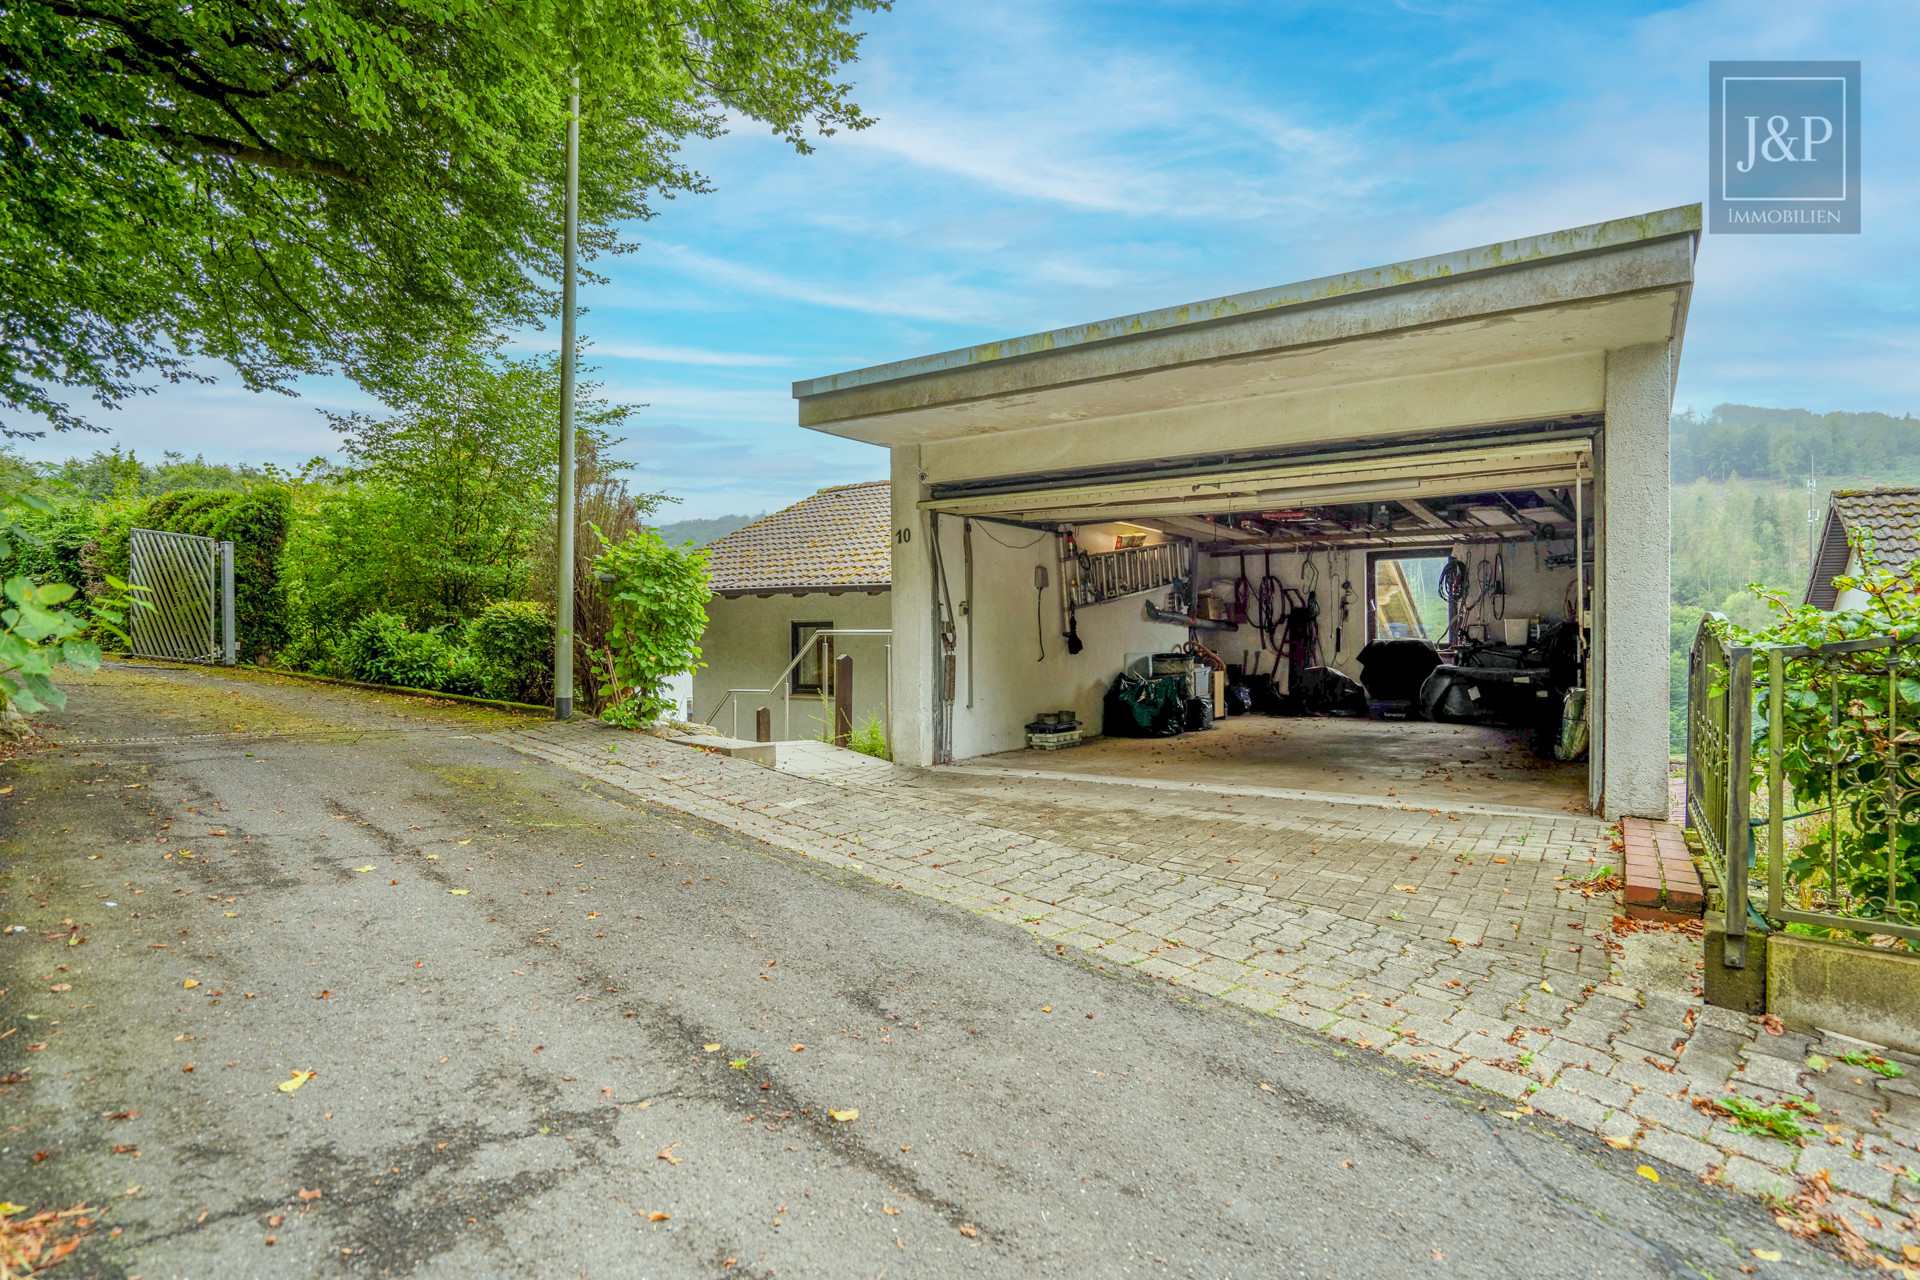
(784, 685)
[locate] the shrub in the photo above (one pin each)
(512, 645)
(658, 597)
(870, 738)
(378, 649)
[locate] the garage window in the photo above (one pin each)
(815, 672)
(1404, 587)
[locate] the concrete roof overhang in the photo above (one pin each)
(1509, 332)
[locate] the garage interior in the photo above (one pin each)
(1409, 621)
(1349, 435)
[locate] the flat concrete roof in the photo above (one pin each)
(1505, 255)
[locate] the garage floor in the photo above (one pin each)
(1412, 760)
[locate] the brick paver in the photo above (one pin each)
(1456, 941)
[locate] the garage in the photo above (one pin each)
(1403, 531)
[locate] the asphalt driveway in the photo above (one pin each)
(553, 1034)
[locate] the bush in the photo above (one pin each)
(658, 598)
(378, 649)
(512, 645)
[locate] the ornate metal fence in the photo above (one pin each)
(188, 581)
(1836, 781)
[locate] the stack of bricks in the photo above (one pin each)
(1662, 882)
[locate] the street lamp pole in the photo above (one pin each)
(563, 614)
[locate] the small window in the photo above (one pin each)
(1406, 599)
(815, 672)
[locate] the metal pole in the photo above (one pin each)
(563, 614)
(229, 642)
(1737, 834)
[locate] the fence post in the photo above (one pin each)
(230, 643)
(1738, 834)
(843, 700)
(763, 725)
(1777, 798)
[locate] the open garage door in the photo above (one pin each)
(1409, 622)
(1387, 474)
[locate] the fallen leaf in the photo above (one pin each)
(1547, 987)
(188, 1068)
(1648, 1172)
(887, 1208)
(299, 1078)
(230, 914)
(657, 1216)
(125, 1148)
(1268, 1088)
(61, 986)
(1767, 1255)
(968, 1230)
(310, 1195)
(666, 1153)
(1407, 888)
(6, 791)
(458, 892)
(276, 1219)
(190, 983)
(851, 1113)
(365, 868)
(468, 840)
(1911, 1252)
(709, 1047)
(797, 1048)
(1499, 859)
(272, 1239)
(1619, 1143)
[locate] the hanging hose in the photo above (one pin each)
(1267, 594)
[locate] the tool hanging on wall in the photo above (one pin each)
(1039, 608)
(1339, 630)
(966, 601)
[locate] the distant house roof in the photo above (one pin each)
(1891, 516)
(839, 539)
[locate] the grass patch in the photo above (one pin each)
(1879, 1066)
(1779, 1121)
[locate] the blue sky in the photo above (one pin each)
(1040, 164)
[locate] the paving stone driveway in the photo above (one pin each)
(1454, 940)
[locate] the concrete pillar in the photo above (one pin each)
(916, 649)
(1635, 584)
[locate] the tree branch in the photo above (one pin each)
(259, 157)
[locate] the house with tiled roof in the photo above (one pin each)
(823, 565)
(1889, 517)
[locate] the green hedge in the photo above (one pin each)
(255, 521)
(379, 649)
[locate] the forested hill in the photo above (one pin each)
(1742, 442)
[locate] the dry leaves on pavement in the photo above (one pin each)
(37, 1242)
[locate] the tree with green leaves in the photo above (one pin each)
(444, 501)
(291, 186)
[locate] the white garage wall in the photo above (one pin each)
(1533, 591)
(1011, 683)
(748, 642)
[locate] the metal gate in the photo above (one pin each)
(188, 581)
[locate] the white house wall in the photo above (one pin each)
(749, 641)
(1011, 682)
